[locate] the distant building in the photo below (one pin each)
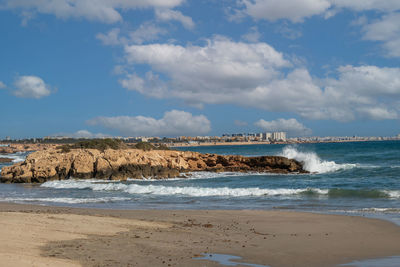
(279, 136)
(267, 136)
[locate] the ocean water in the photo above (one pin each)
(358, 178)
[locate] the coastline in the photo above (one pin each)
(201, 144)
(96, 237)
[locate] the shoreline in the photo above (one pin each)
(101, 237)
(181, 145)
(31, 147)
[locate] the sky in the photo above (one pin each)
(92, 68)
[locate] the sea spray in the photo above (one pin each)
(312, 162)
(16, 157)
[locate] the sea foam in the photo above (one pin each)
(151, 189)
(312, 162)
(176, 190)
(67, 200)
(16, 157)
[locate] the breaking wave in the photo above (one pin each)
(66, 200)
(312, 162)
(16, 157)
(217, 191)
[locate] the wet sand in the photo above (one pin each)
(52, 236)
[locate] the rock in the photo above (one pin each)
(53, 164)
(13, 148)
(5, 160)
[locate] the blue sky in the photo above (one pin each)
(175, 67)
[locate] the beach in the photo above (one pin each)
(47, 236)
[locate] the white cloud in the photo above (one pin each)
(366, 91)
(135, 83)
(144, 33)
(110, 38)
(95, 10)
(385, 30)
(174, 123)
(298, 10)
(256, 75)
(291, 126)
(293, 10)
(361, 5)
(252, 36)
(168, 15)
(221, 66)
(31, 87)
(2, 85)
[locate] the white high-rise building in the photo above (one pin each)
(267, 136)
(279, 136)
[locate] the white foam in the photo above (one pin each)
(385, 210)
(66, 200)
(392, 193)
(369, 210)
(175, 190)
(16, 157)
(312, 162)
(206, 175)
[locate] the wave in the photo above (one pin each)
(312, 162)
(200, 175)
(16, 157)
(369, 210)
(219, 191)
(174, 190)
(384, 210)
(66, 200)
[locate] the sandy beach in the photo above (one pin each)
(49, 236)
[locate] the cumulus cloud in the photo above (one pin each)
(2, 85)
(220, 67)
(385, 30)
(256, 75)
(31, 87)
(252, 36)
(146, 32)
(95, 10)
(362, 5)
(173, 123)
(298, 10)
(293, 10)
(110, 38)
(170, 15)
(291, 126)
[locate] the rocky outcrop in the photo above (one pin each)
(121, 164)
(5, 160)
(13, 148)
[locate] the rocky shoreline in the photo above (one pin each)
(54, 164)
(5, 160)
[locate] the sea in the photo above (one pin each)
(352, 178)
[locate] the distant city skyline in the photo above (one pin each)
(175, 67)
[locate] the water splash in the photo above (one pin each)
(312, 162)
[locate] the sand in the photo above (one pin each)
(51, 236)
